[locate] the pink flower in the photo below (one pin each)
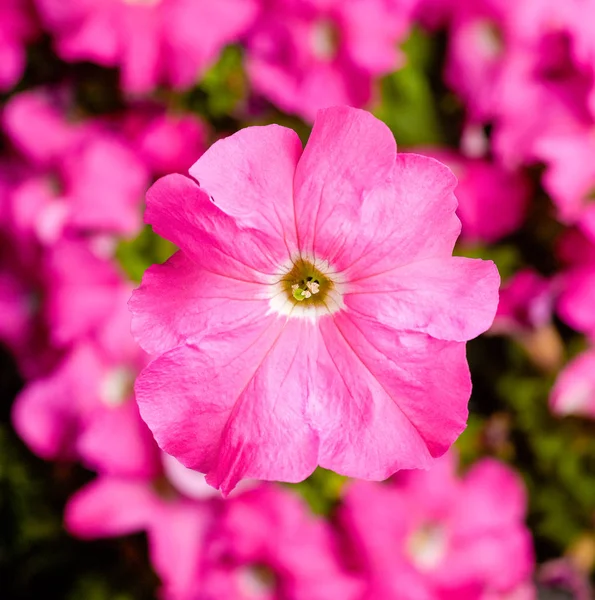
(314, 314)
(574, 391)
(525, 313)
(82, 178)
(166, 142)
(153, 41)
(268, 546)
(17, 27)
(80, 408)
(430, 534)
(308, 54)
(526, 303)
(492, 199)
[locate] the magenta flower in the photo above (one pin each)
(492, 199)
(303, 55)
(166, 142)
(431, 534)
(268, 546)
(526, 303)
(80, 407)
(153, 41)
(81, 177)
(314, 314)
(17, 27)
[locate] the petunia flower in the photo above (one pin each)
(257, 374)
(79, 408)
(304, 55)
(82, 178)
(153, 41)
(432, 534)
(269, 546)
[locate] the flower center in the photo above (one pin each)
(257, 581)
(325, 40)
(117, 386)
(489, 39)
(306, 284)
(308, 289)
(427, 546)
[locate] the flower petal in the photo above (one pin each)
(110, 506)
(399, 400)
(183, 213)
(249, 176)
(349, 153)
(412, 218)
(180, 298)
(232, 404)
(448, 298)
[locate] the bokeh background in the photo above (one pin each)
(100, 98)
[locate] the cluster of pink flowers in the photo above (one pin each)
(314, 313)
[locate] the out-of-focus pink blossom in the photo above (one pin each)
(430, 534)
(492, 199)
(304, 55)
(526, 303)
(525, 312)
(574, 391)
(87, 401)
(82, 178)
(167, 142)
(306, 274)
(269, 546)
(153, 41)
(17, 27)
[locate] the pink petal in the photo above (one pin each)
(381, 210)
(576, 301)
(448, 298)
(182, 213)
(493, 497)
(177, 541)
(142, 51)
(249, 176)
(12, 62)
(574, 391)
(232, 404)
(116, 441)
(105, 186)
(109, 507)
(179, 299)
(37, 127)
(48, 413)
(349, 153)
(399, 398)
